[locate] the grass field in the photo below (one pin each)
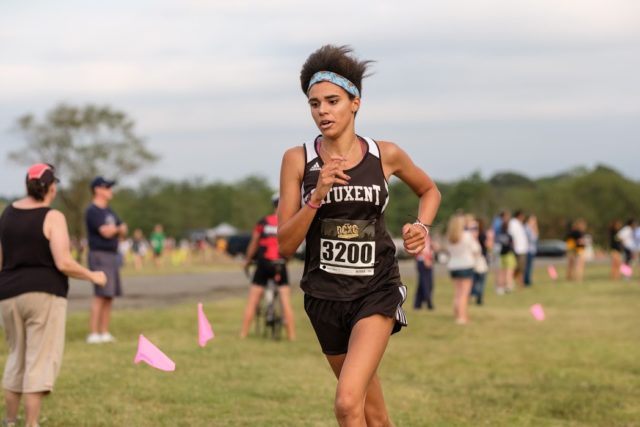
(580, 367)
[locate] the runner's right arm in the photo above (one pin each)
(294, 221)
(55, 229)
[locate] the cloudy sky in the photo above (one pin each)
(462, 85)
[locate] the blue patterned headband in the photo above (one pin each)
(336, 79)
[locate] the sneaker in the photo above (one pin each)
(107, 337)
(7, 423)
(94, 339)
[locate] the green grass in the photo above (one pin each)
(580, 367)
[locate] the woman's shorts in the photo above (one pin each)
(508, 261)
(109, 263)
(334, 320)
(464, 273)
(34, 326)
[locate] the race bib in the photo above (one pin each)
(348, 247)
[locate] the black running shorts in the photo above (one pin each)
(334, 320)
(266, 271)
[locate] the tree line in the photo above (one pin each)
(86, 141)
(600, 196)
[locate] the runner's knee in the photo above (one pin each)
(348, 404)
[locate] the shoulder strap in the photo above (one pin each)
(373, 147)
(309, 152)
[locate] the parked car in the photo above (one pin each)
(551, 248)
(237, 244)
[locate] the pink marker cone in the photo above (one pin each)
(626, 270)
(205, 333)
(151, 355)
(553, 273)
(537, 312)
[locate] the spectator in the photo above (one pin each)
(576, 250)
(138, 249)
(270, 266)
(424, 285)
(507, 259)
(35, 260)
(157, 244)
(463, 250)
(626, 236)
(531, 229)
(104, 229)
(485, 239)
(520, 245)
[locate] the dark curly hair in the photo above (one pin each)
(336, 59)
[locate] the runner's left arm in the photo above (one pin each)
(397, 162)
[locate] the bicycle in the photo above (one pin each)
(268, 319)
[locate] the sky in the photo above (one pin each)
(536, 87)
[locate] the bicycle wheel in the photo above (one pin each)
(276, 328)
(258, 320)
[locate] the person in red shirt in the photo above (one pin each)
(270, 265)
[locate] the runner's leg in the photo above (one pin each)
(356, 393)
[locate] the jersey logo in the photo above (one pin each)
(315, 167)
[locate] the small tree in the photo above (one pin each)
(82, 142)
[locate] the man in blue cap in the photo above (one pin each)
(104, 230)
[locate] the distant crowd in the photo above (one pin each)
(510, 245)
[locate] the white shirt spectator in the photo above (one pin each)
(462, 255)
(519, 236)
(626, 237)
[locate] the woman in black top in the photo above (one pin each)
(35, 260)
(333, 194)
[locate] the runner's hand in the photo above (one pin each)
(414, 238)
(99, 278)
(331, 173)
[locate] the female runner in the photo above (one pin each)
(333, 194)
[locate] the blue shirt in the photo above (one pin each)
(95, 218)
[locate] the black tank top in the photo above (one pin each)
(27, 262)
(349, 252)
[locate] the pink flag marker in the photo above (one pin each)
(537, 312)
(626, 270)
(205, 333)
(151, 355)
(553, 273)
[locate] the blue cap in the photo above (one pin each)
(99, 181)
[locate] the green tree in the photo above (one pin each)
(193, 204)
(82, 142)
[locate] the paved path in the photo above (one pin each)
(157, 291)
